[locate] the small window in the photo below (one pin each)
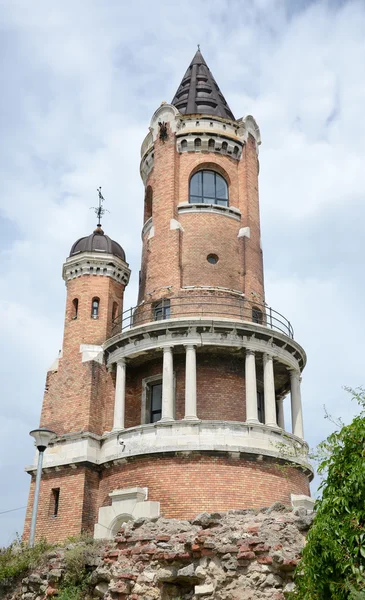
(184, 145)
(235, 150)
(212, 259)
(260, 407)
(207, 187)
(95, 308)
(197, 143)
(114, 311)
(75, 308)
(224, 147)
(55, 501)
(155, 393)
(256, 315)
(211, 144)
(161, 310)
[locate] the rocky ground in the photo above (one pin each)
(239, 555)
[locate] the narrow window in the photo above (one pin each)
(55, 501)
(260, 407)
(211, 144)
(256, 315)
(75, 305)
(184, 145)
(235, 150)
(197, 143)
(224, 147)
(148, 202)
(155, 391)
(114, 311)
(208, 187)
(95, 308)
(161, 310)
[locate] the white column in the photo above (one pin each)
(167, 385)
(190, 383)
(119, 401)
(281, 421)
(251, 388)
(296, 404)
(269, 391)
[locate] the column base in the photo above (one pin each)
(253, 422)
(166, 420)
(191, 418)
(274, 425)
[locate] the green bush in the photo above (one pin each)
(333, 562)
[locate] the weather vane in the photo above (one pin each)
(99, 210)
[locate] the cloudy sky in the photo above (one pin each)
(80, 82)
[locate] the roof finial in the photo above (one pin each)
(199, 47)
(99, 210)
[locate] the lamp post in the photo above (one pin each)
(42, 438)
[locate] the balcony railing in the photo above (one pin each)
(202, 306)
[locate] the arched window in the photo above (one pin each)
(224, 147)
(211, 144)
(184, 145)
(95, 308)
(75, 307)
(197, 143)
(207, 187)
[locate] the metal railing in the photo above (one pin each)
(202, 306)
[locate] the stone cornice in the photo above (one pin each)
(93, 263)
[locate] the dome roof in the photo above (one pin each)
(97, 242)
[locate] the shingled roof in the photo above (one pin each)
(198, 93)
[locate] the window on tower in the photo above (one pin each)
(95, 308)
(207, 187)
(75, 308)
(161, 310)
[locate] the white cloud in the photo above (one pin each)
(81, 83)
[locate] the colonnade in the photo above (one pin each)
(274, 411)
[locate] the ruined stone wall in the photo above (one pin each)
(238, 555)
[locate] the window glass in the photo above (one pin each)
(221, 187)
(209, 184)
(156, 402)
(207, 187)
(162, 310)
(196, 184)
(260, 407)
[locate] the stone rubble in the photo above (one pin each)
(239, 555)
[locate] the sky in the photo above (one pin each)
(80, 82)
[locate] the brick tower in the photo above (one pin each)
(175, 407)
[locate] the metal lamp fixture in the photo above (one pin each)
(42, 437)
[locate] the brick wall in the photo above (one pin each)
(77, 504)
(80, 396)
(186, 486)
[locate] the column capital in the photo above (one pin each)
(250, 352)
(267, 356)
(295, 374)
(121, 361)
(167, 348)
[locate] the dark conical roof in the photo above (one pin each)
(97, 242)
(199, 93)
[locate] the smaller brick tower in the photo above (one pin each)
(79, 394)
